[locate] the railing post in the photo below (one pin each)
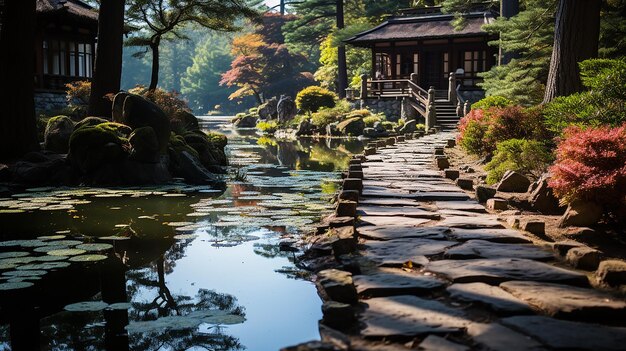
(459, 108)
(431, 111)
(414, 78)
(466, 108)
(452, 88)
(363, 86)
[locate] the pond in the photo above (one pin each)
(174, 267)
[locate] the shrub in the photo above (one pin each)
(420, 127)
(388, 125)
(513, 122)
(77, 96)
(492, 101)
(472, 129)
(371, 120)
(591, 165)
(313, 98)
(529, 157)
(603, 104)
(267, 127)
(326, 116)
(169, 101)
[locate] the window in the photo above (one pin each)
(67, 58)
(416, 63)
(446, 64)
(398, 65)
(474, 62)
(382, 67)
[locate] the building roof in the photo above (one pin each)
(72, 8)
(429, 26)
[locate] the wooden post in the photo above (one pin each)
(431, 112)
(452, 88)
(466, 108)
(459, 108)
(415, 78)
(363, 86)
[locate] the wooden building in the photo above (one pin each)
(65, 48)
(426, 43)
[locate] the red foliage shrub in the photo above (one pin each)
(591, 165)
(514, 122)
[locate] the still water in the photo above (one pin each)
(176, 267)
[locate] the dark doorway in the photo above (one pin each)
(432, 69)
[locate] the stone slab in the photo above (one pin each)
(567, 302)
(437, 343)
(493, 235)
(440, 196)
(396, 211)
(398, 252)
(406, 315)
(567, 335)
(487, 249)
(471, 206)
(491, 296)
(372, 201)
(395, 282)
(398, 232)
(393, 220)
(497, 270)
(471, 222)
(497, 337)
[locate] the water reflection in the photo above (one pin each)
(189, 269)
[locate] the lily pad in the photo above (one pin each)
(114, 238)
(94, 247)
(185, 236)
(32, 243)
(11, 211)
(119, 306)
(65, 242)
(44, 266)
(174, 195)
(48, 258)
(24, 273)
(190, 321)
(88, 258)
(86, 306)
(66, 252)
(7, 266)
(18, 260)
(13, 254)
(45, 249)
(57, 208)
(14, 286)
(179, 224)
(51, 237)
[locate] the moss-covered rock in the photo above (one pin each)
(94, 146)
(138, 112)
(57, 134)
(144, 145)
(210, 148)
(178, 145)
(245, 121)
(90, 122)
(351, 127)
(121, 130)
(183, 121)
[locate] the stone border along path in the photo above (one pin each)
(434, 271)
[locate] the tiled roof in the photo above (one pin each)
(74, 8)
(423, 27)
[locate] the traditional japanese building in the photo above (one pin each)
(419, 57)
(65, 49)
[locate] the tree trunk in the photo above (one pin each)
(576, 38)
(18, 130)
(282, 7)
(107, 73)
(342, 71)
(154, 78)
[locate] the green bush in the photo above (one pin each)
(492, 101)
(420, 127)
(371, 120)
(313, 98)
(326, 116)
(604, 103)
(267, 127)
(388, 125)
(530, 157)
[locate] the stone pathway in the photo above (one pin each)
(435, 271)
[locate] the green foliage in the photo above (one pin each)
(313, 98)
(530, 35)
(371, 120)
(327, 116)
(492, 101)
(472, 140)
(420, 127)
(267, 127)
(604, 103)
(169, 101)
(217, 139)
(388, 125)
(529, 157)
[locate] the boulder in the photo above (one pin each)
(144, 145)
(542, 198)
(465, 183)
(210, 154)
(268, 110)
(184, 121)
(379, 128)
(484, 193)
(188, 167)
(138, 112)
(47, 169)
(584, 257)
(245, 121)
(305, 128)
(442, 162)
(117, 110)
(57, 134)
(92, 147)
(535, 227)
(452, 174)
(612, 272)
(338, 285)
(286, 109)
(581, 214)
(5, 174)
(513, 182)
(90, 122)
(351, 127)
(408, 127)
(497, 204)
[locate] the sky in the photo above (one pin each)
(271, 3)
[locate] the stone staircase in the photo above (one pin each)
(447, 118)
